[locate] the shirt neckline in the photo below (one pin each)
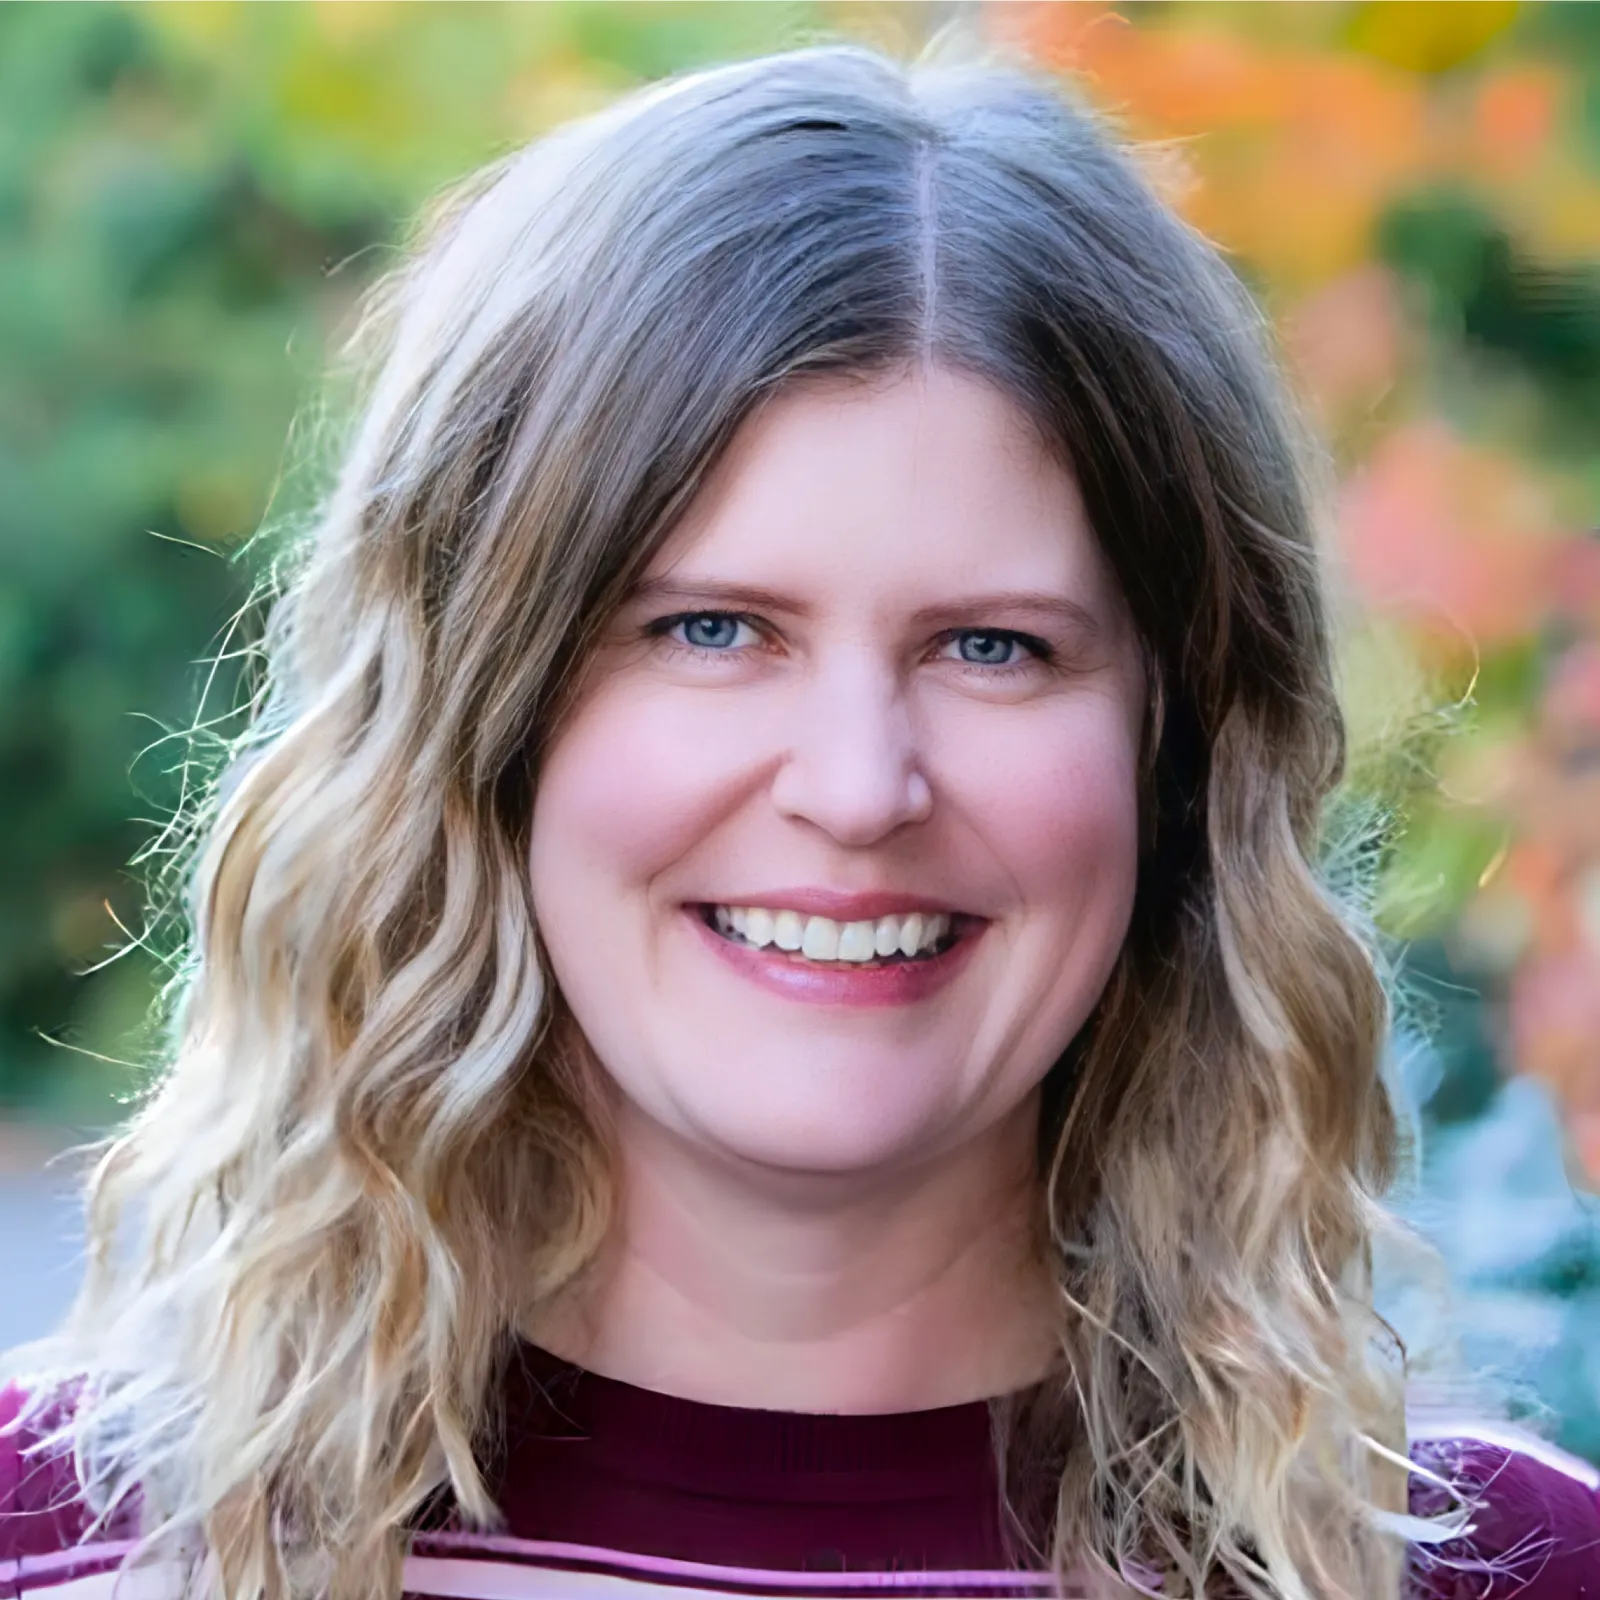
(646, 1434)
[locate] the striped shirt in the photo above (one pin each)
(610, 1490)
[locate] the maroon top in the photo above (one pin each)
(605, 1477)
(596, 1461)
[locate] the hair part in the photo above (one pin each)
(374, 1142)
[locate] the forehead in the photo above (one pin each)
(922, 481)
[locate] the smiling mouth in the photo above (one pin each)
(895, 941)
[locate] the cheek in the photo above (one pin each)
(1057, 804)
(627, 788)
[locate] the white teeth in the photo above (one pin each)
(823, 939)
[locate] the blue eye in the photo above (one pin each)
(1002, 649)
(704, 632)
(987, 649)
(710, 630)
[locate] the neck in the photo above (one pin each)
(817, 1292)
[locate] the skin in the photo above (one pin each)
(827, 1206)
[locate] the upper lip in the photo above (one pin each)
(838, 906)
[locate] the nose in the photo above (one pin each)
(853, 766)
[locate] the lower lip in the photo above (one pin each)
(899, 984)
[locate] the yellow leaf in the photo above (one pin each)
(1429, 35)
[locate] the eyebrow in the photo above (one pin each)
(753, 597)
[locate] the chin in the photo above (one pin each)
(810, 1130)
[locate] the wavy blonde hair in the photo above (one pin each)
(373, 1146)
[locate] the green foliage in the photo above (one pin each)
(1484, 291)
(144, 308)
(190, 200)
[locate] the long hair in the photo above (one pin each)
(371, 1148)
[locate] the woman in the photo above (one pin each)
(759, 1015)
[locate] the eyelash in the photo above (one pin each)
(1039, 651)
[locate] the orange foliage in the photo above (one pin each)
(1537, 873)
(1572, 700)
(1555, 1020)
(1050, 32)
(1194, 81)
(1459, 540)
(1512, 122)
(1298, 151)
(1555, 804)
(1298, 137)
(1345, 342)
(1302, 205)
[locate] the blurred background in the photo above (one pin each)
(192, 196)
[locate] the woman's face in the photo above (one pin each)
(878, 693)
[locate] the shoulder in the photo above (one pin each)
(1534, 1530)
(41, 1508)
